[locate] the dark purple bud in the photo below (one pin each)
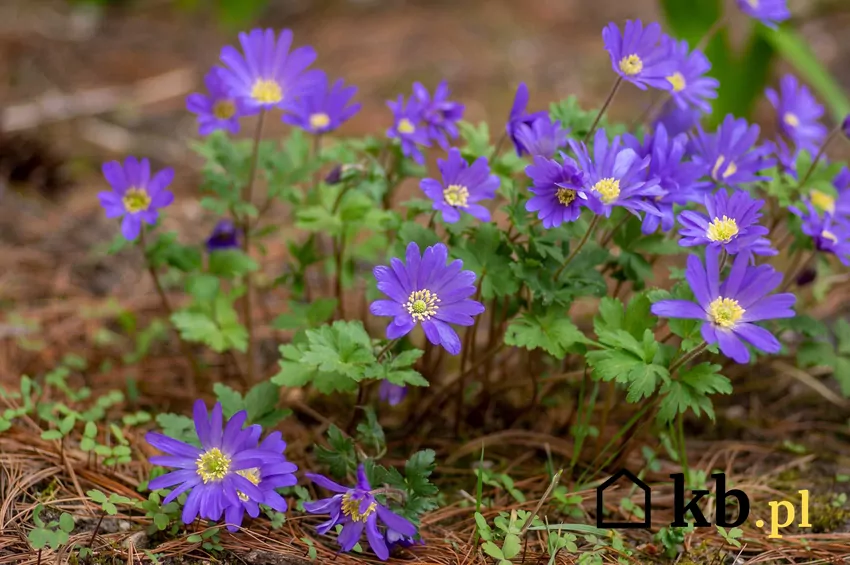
(845, 126)
(390, 393)
(334, 176)
(807, 277)
(225, 235)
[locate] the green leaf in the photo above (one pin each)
(161, 520)
(369, 431)
(66, 522)
(231, 401)
(96, 496)
(511, 546)
(306, 315)
(340, 457)
(691, 391)
(552, 332)
(67, 424)
(51, 435)
(492, 550)
(231, 263)
(178, 427)
(261, 400)
(203, 287)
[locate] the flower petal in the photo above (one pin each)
(172, 446)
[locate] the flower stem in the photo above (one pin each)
(339, 251)
(607, 103)
(797, 271)
(498, 148)
(198, 377)
(469, 339)
(687, 357)
(820, 153)
(317, 151)
(683, 450)
(246, 245)
(385, 349)
(591, 228)
(718, 24)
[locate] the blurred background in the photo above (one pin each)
(83, 81)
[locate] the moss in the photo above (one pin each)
(826, 516)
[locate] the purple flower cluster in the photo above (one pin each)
(265, 75)
(231, 473)
(534, 133)
(423, 118)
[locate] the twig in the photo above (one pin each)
(607, 103)
(591, 228)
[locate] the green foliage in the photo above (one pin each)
(260, 403)
(51, 533)
(830, 351)
(691, 390)
(551, 332)
(339, 457)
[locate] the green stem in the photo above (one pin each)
(498, 148)
(607, 103)
(590, 229)
(246, 245)
(687, 357)
(385, 349)
(711, 32)
(820, 153)
(197, 374)
(683, 451)
(317, 150)
(797, 271)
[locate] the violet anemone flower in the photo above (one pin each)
(136, 197)
(356, 508)
(638, 55)
(518, 117)
(462, 188)
(440, 113)
(676, 177)
(226, 471)
(225, 235)
(799, 114)
(615, 176)
(324, 108)
(827, 234)
(409, 128)
(217, 109)
(768, 12)
(676, 119)
(731, 224)
(730, 154)
(542, 137)
(266, 74)
(558, 190)
(425, 290)
(391, 394)
(729, 309)
(690, 86)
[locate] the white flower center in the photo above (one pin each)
(631, 65)
(822, 201)
(456, 195)
(136, 200)
(677, 81)
(725, 312)
(253, 475)
(722, 229)
(319, 120)
(608, 190)
(422, 304)
(730, 170)
(566, 196)
(267, 91)
(351, 508)
(406, 126)
(213, 465)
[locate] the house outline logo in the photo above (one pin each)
(647, 502)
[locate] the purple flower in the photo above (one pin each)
(396, 539)
(827, 234)
(637, 54)
(519, 117)
(728, 309)
(324, 108)
(786, 156)
(390, 393)
(463, 186)
(676, 178)
(217, 109)
(677, 120)
(228, 474)
(541, 137)
(409, 128)
(769, 12)
(836, 205)
(135, 196)
(689, 85)
(731, 224)
(845, 126)
(558, 190)
(225, 235)
(266, 75)
(425, 290)
(729, 155)
(357, 509)
(440, 113)
(799, 113)
(615, 176)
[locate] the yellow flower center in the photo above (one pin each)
(722, 229)
(631, 65)
(422, 304)
(213, 465)
(406, 126)
(224, 109)
(677, 80)
(456, 195)
(267, 91)
(351, 508)
(566, 196)
(136, 200)
(725, 312)
(730, 170)
(253, 475)
(753, 3)
(608, 190)
(319, 120)
(791, 119)
(822, 201)
(826, 234)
